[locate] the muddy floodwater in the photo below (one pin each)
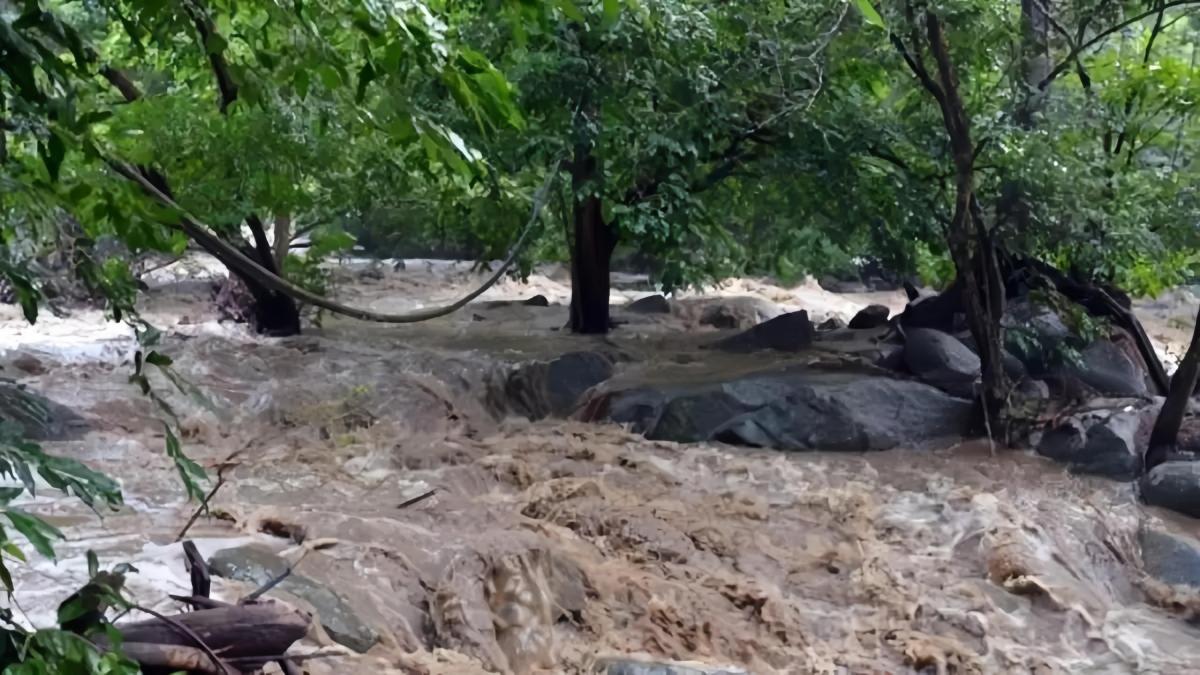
(554, 545)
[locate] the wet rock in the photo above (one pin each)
(872, 316)
(1036, 390)
(651, 304)
(29, 364)
(1170, 559)
(257, 565)
(536, 301)
(791, 332)
(39, 418)
(835, 285)
(728, 313)
(1107, 368)
(1098, 443)
(554, 388)
(1174, 486)
(832, 323)
(794, 410)
(941, 360)
(618, 666)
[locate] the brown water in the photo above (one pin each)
(552, 545)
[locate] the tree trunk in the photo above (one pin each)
(591, 251)
(970, 242)
(283, 239)
(1035, 59)
(275, 314)
(1170, 418)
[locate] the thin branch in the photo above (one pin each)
(271, 583)
(417, 500)
(207, 31)
(224, 466)
(238, 262)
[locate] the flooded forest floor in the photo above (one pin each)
(561, 546)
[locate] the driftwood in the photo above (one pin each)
(156, 658)
(216, 639)
(260, 629)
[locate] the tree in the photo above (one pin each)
(282, 85)
(652, 106)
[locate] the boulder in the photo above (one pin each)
(871, 316)
(794, 409)
(1107, 368)
(1170, 559)
(1101, 443)
(742, 313)
(38, 418)
(1030, 389)
(790, 332)
(553, 388)
(536, 301)
(1174, 486)
(257, 565)
(832, 323)
(941, 360)
(622, 666)
(651, 304)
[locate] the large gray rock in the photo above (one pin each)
(739, 312)
(790, 332)
(38, 418)
(1108, 369)
(1170, 559)
(1174, 486)
(1100, 443)
(941, 360)
(553, 388)
(871, 316)
(651, 304)
(794, 410)
(257, 565)
(618, 666)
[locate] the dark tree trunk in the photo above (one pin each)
(275, 314)
(591, 252)
(1170, 418)
(971, 244)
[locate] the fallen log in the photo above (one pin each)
(158, 658)
(260, 629)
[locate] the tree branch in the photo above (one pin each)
(238, 262)
(207, 30)
(1080, 47)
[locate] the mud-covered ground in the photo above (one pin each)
(550, 546)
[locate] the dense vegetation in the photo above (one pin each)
(710, 138)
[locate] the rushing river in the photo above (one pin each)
(953, 560)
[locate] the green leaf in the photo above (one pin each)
(12, 549)
(300, 83)
(571, 10)
(612, 12)
(157, 359)
(37, 531)
(329, 76)
(53, 152)
(365, 76)
(869, 14)
(10, 493)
